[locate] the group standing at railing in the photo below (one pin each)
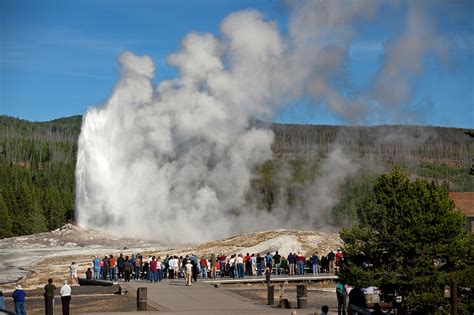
(156, 268)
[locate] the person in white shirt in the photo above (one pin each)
(65, 297)
(188, 272)
(73, 274)
(173, 267)
(159, 268)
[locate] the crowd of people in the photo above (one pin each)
(157, 268)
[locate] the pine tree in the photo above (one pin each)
(29, 218)
(6, 223)
(412, 242)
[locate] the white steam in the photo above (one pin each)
(174, 161)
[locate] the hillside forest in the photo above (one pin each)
(37, 168)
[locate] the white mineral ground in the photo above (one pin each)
(31, 260)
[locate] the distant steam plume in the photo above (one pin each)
(174, 161)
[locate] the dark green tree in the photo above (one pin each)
(411, 241)
(6, 222)
(29, 217)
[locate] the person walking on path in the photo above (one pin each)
(49, 290)
(65, 297)
(19, 300)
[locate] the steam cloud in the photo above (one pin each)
(174, 161)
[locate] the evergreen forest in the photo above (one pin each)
(37, 167)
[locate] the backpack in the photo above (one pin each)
(340, 289)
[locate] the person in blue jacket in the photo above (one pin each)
(19, 300)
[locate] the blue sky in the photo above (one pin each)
(59, 57)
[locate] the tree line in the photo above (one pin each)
(37, 163)
(37, 166)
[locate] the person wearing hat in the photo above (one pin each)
(49, 290)
(19, 300)
(65, 297)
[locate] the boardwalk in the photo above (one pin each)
(173, 297)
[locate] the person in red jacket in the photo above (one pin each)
(338, 258)
(300, 260)
(203, 266)
(153, 269)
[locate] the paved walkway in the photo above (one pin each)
(173, 297)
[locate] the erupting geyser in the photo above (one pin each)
(173, 161)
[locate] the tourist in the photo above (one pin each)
(232, 266)
(338, 258)
(49, 291)
(2, 301)
(222, 261)
(213, 263)
(105, 268)
(73, 274)
(331, 258)
(341, 295)
(127, 268)
(324, 310)
(146, 270)
(188, 272)
(284, 264)
(166, 265)
(120, 266)
(173, 267)
(195, 269)
(136, 267)
(101, 263)
(89, 274)
(65, 297)
(315, 260)
(239, 261)
(112, 266)
(96, 263)
(19, 296)
(253, 263)
(203, 265)
(357, 297)
(248, 265)
(259, 261)
(159, 268)
(153, 270)
(300, 260)
(276, 263)
(291, 264)
(269, 261)
(324, 264)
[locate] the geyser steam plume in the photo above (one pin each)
(173, 161)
